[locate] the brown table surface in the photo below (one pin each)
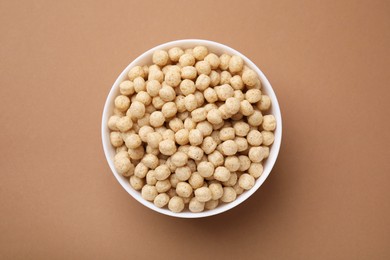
(328, 196)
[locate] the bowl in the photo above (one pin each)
(146, 58)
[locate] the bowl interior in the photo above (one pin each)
(145, 59)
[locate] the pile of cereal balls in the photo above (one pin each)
(191, 129)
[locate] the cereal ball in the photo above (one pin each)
(137, 153)
(137, 71)
(216, 158)
(126, 88)
(136, 183)
(232, 180)
(232, 105)
(229, 194)
(269, 123)
(254, 138)
(202, 82)
(199, 115)
(156, 74)
(167, 93)
(112, 122)
(211, 204)
(249, 77)
(229, 147)
(121, 154)
(176, 204)
(236, 63)
(242, 143)
(215, 136)
(122, 102)
(239, 95)
(213, 60)
(264, 104)
(186, 60)
(137, 109)
(175, 53)
(255, 170)
(216, 190)
(225, 77)
(181, 136)
(232, 163)
(176, 124)
(173, 78)
(160, 57)
(190, 102)
(200, 52)
(226, 133)
(238, 189)
(205, 169)
(196, 180)
(224, 92)
(133, 141)
(241, 128)
(183, 173)
(179, 159)
(151, 178)
(183, 189)
(161, 200)
(224, 61)
(116, 139)
(157, 119)
(253, 95)
(195, 205)
(199, 98)
(187, 87)
(246, 181)
(195, 153)
(139, 84)
(255, 119)
(168, 110)
(180, 103)
(151, 150)
(205, 127)
(246, 108)
(149, 192)
(208, 145)
(122, 148)
(144, 98)
(140, 170)
(221, 173)
(144, 120)
(203, 194)
(163, 186)
(144, 131)
(245, 163)
(167, 147)
(203, 67)
(161, 172)
(124, 123)
(215, 78)
(236, 82)
(153, 87)
(210, 95)
(122, 165)
(195, 137)
(150, 160)
(167, 134)
(256, 154)
(214, 116)
(268, 137)
(188, 72)
(157, 102)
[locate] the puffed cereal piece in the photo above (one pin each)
(215, 78)
(232, 180)
(179, 159)
(226, 133)
(144, 120)
(163, 186)
(232, 105)
(136, 71)
(195, 153)
(161, 200)
(139, 84)
(203, 194)
(254, 137)
(264, 104)
(183, 189)
(149, 192)
(216, 191)
(116, 139)
(242, 143)
(225, 77)
(126, 88)
(174, 180)
(187, 87)
(137, 153)
(190, 102)
(162, 172)
(175, 53)
(246, 108)
(269, 123)
(229, 195)
(224, 92)
(236, 63)
(203, 67)
(137, 109)
(167, 93)
(122, 165)
(232, 163)
(216, 158)
(205, 127)
(122, 102)
(195, 137)
(160, 57)
(176, 204)
(256, 154)
(205, 169)
(168, 134)
(196, 180)
(195, 205)
(167, 147)
(229, 147)
(249, 77)
(238, 189)
(215, 136)
(124, 124)
(153, 87)
(208, 145)
(268, 137)
(245, 163)
(241, 128)
(140, 170)
(157, 103)
(236, 82)
(180, 103)
(112, 122)
(150, 160)
(136, 183)
(239, 95)
(181, 136)
(255, 119)
(183, 173)
(202, 82)
(151, 178)
(246, 181)
(133, 141)
(211, 204)
(199, 98)
(186, 60)
(176, 124)
(224, 61)
(214, 116)
(210, 95)
(199, 115)
(169, 109)
(188, 72)
(221, 173)
(144, 98)
(151, 150)
(200, 52)
(121, 148)
(253, 95)
(213, 60)
(183, 115)
(256, 169)
(157, 119)
(156, 74)
(173, 78)
(144, 131)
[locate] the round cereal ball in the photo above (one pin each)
(213, 60)
(181, 136)
(269, 123)
(179, 159)
(254, 137)
(224, 61)
(199, 98)
(214, 116)
(229, 147)
(236, 63)
(202, 82)
(203, 194)
(176, 204)
(161, 172)
(238, 189)
(137, 153)
(136, 71)
(168, 110)
(136, 183)
(157, 103)
(190, 102)
(264, 104)
(268, 137)
(241, 128)
(215, 78)
(175, 124)
(175, 53)
(124, 124)
(225, 77)
(183, 189)
(239, 95)
(153, 151)
(122, 102)
(205, 127)
(133, 141)
(205, 169)
(255, 119)
(216, 190)
(140, 170)
(215, 136)
(126, 88)
(224, 92)
(249, 77)
(188, 72)
(186, 60)
(195, 205)
(183, 173)
(236, 82)
(246, 181)
(157, 119)
(174, 180)
(256, 154)
(210, 95)
(195, 137)
(216, 158)
(153, 87)
(112, 122)
(150, 178)
(199, 115)
(221, 174)
(183, 115)
(149, 192)
(229, 194)
(226, 133)
(232, 180)
(232, 105)
(122, 165)
(144, 98)
(137, 109)
(167, 93)
(116, 139)
(180, 103)
(232, 163)
(255, 170)
(246, 108)
(253, 95)
(200, 52)
(139, 84)
(245, 163)
(144, 121)
(160, 57)
(208, 145)
(265, 151)
(173, 78)
(195, 153)
(157, 75)
(211, 204)
(161, 200)
(163, 186)
(187, 87)
(203, 67)
(167, 147)
(150, 160)
(196, 180)
(153, 139)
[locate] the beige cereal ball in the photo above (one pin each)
(163, 186)
(136, 183)
(225, 77)
(232, 163)
(192, 165)
(174, 180)
(200, 52)
(236, 82)
(256, 154)
(161, 200)
(266, 151)
(215, 78)
(216, 158)
(133, 141)
(239, 95)
(224, 92)
(161, 172)
(124, 123)
(213, 60)
(226, 133)
(150, 160)
(229, 195)
(126, 88)
(121, 154)
(183, 189)
(172, 192)
(149, 192)
(141, 170)
(167, 93)
(183, 115)
(205, 169)
(255, 119)
(232, 180)
(175, 124)
(232, 105)
(157, 75)
(205, 127)
(183, 173)
(208, 145)
(175, 53)
(203, 194)
(173, 78)
(121, 148)
(264, 104)
(195, 153)
(157, 103)
(169, 109)
(160, 57)
(255, 170)
(214, 116)
(236, 63)
(241, 128)
(167, 147)
(190, 102)
(146, 70)
(195, 137)
(210, 106)
(203, 67)
(116, 139)
(137, 153)
(210, 95)
(199, 115)
(211, 204)
(229, 147)
(224, 61)
(179, 159)
(186, 60)
(268, 137)
(136, 71)
(122, 102)
(181, 137)
(112, 122)
(245, 163)
(199, 98)
(144, 98)
(269, 123)
(249, 77)
(246, 181)
(180, 103)
(238, 189)
(196, 180)
(221, 173)
(216, 191)
(167, 134)
(144, 120)
(215, 136)
(157, 119)
(187, 87)
(196, 206)
(246, 108)
(122, 165)
(255, 138)
(150, 150)
(188, 72)
(153, 87)
(253, 95)
(202, 82)
(137, 109)
(176, 204)
(139, 84)
(150, 178)
(144, 131)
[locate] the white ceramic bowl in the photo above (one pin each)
(146, 58)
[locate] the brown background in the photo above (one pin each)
(328, 195)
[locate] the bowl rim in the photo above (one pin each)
(268, 165)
